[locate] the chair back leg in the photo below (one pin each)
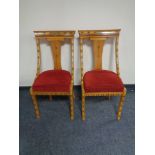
(72, 107)
(83, 108)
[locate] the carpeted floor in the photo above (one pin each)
(55, 134)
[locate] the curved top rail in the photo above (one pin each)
(99, 33)
(45, 34)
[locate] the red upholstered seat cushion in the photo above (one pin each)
(53, 81)
(102, 81)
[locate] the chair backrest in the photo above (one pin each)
(55, 39)
(98, 38)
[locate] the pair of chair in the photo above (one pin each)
(97, 82)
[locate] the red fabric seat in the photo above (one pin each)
(53, 81)
(102, 81)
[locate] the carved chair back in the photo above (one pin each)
(98, 38)
(55, 39)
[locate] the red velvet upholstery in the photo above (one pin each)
(102, 81)
(53, 81)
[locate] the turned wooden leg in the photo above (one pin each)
(120, 107)
(83, 108)
(50, 97)
(36, 107)
(72, 107)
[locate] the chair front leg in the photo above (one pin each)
(120, 106)
(36, 107)
(83, 108)
(72, 107)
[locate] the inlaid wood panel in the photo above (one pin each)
(97, 52)
(56, 52)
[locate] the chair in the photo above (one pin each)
(56, 81)
(100, 82)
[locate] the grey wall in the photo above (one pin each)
(74, 15)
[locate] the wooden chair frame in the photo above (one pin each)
(54, 38)
(98, 37)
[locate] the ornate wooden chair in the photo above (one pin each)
(100, 82)
(56, 81)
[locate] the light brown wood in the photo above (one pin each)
(72, 107)
(72, 63)
(51, 93)
(116, 55)
(83, 108)
(56, 51)
(36, 107)
(81, 66)
(120, 106)
(49, 33)
(87, 34)
(38, 57)
(98, 38)
(103, 94)
(97, 51)
(54, 38)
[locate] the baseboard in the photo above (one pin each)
(129, 87)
